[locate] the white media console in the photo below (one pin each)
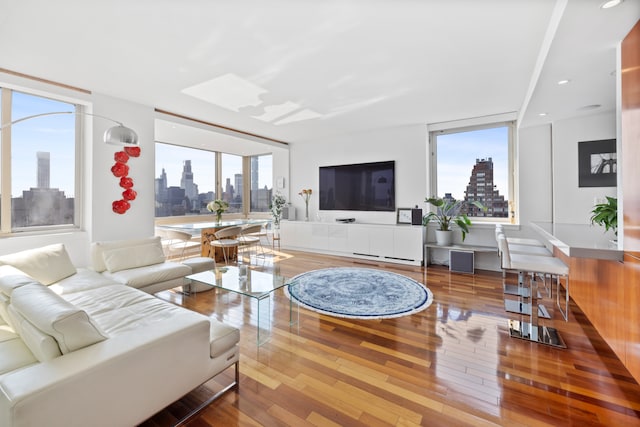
(402, 244)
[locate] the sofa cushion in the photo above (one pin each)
(47, 264)
(43, 346)
(71, 327)
(84, 279)
(144, 276)
(222, 337)
(132, 257)
(97, 248)
(15, 353)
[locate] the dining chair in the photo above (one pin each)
(225, 239)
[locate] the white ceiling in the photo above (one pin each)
(323, 68)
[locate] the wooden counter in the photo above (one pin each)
(604, 282)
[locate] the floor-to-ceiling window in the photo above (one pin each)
(232, 181)
(185, 180)
(261, 171)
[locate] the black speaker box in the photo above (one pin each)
(416, 216)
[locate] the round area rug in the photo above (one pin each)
(359, 293)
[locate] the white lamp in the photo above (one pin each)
(116, 135)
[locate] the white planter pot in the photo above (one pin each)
(444, 238)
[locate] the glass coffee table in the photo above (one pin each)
(242, 280)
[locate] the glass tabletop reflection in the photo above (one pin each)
(242, 280)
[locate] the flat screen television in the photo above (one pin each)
(358, 187)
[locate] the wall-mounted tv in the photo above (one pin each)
(358, 187)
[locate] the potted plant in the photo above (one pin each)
(277, 204)
(606, 214)
(448, 212)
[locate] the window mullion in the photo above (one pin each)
(5, 167)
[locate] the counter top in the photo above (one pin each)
(579, 240)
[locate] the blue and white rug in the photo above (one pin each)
(359, 293)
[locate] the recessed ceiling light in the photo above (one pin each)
(610, 3)
(542, 114)
(563, 82)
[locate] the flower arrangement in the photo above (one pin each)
(277, 203)
(218, 206)
(306, 195)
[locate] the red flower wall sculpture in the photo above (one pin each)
(120, 170)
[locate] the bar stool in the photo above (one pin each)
(520, 240)
(546, 266)
(522, 250)
(531, 265)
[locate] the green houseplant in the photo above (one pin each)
(606, 214)
(448, 212)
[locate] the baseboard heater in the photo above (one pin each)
(400, 259)
(369, 255)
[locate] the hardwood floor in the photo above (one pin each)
(452, 364)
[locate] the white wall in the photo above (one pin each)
(407, 145)
(534, 178)
(104, 224)
(572, 204)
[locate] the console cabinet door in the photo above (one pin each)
(381, 241)
(407, 243)
(339, 238)
(358, 238)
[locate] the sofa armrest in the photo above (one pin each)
(120, 381)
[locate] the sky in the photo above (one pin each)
(172, 157)
(457, 154)
(50, 133)
(58, 132)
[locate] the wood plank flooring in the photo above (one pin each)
(452, 364)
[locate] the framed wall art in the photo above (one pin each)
(597, 163)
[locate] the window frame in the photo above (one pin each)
(512, 193)
(6, 177)
(219, 185)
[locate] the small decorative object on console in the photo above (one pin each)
(306, 195)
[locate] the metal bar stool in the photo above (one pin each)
(532, 265)
(520, 240)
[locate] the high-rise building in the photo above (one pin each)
(186, 182)
(44, 169)
(482, 189)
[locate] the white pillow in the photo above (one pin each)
(98, 248)
(71, 327)
(133, 257)
(47, 264)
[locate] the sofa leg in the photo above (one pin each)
(235, 384)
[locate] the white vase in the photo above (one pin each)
(444, 238)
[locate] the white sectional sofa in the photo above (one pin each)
(77, 348)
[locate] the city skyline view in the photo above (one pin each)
(59, 133)
(457, 155)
